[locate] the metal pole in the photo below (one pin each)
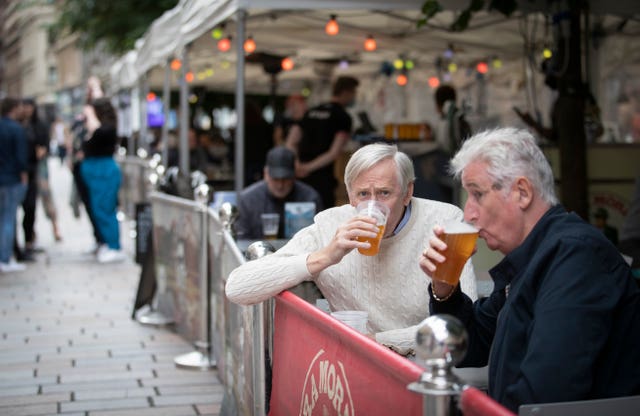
(166, 104)
(184, 114)
(239, 162)
(259, 373)
(201, 358)
(142, 140)
(255, 251)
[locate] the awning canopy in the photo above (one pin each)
(296, 29)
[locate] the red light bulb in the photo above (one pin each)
(224, 44)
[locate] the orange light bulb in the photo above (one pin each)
(482, 67)
(189, 76)
(402, 80)
(287, 64)
(176, 64)
(332, 28)
(370, 44)
(249, 45)
(151, 96)
(434, 82)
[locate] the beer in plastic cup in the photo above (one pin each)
(460, 239)
(380, 212)
(270, 224)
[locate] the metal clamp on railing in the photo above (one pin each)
(441, 344)
(202, 358)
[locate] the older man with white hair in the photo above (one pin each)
(563, 320)
(390, 286)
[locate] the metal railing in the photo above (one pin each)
(194, 254)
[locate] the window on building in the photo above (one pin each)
(52, 75)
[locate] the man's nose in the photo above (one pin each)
(470, 212)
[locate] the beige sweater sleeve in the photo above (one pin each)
(258, 280)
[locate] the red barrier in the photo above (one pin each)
(475, 403)
(323, 367)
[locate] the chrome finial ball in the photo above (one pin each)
(197, 178)
(258, 249)
(228, 213)
(202, 194)
(441, 341)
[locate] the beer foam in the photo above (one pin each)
(460, 228)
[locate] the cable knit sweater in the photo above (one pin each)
(390, 286)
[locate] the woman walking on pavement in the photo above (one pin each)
(102, 176)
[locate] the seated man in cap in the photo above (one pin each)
(270, 195)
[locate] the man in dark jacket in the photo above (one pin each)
(13, 179)
(271, 194)
(563, 320)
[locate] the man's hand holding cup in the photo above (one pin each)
(448, 251)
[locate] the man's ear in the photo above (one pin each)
(408, 195)
(523, 192)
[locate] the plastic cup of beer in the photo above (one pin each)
(380, 212)
(270, 224)
(460, 238)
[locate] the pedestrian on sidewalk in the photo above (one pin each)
(44, 192)
(60, 137)
(37, 136)
(13, 179)
(102, 176)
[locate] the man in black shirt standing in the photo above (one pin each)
(326, 129)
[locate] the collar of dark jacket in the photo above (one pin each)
(504, 272)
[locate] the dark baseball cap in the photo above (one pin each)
(281, 163)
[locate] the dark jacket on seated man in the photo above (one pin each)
(563, 320)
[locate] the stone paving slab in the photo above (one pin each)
(155, 411)
(68, 345)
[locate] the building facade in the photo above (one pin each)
(36, 63)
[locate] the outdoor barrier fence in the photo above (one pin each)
(135, 187)
(317, 362)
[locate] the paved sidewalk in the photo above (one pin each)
(68, 345)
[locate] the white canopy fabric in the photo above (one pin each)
(123, 72)
(296, 29)
(160, 42)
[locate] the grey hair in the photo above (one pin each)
(508, 153)
(370, 155)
